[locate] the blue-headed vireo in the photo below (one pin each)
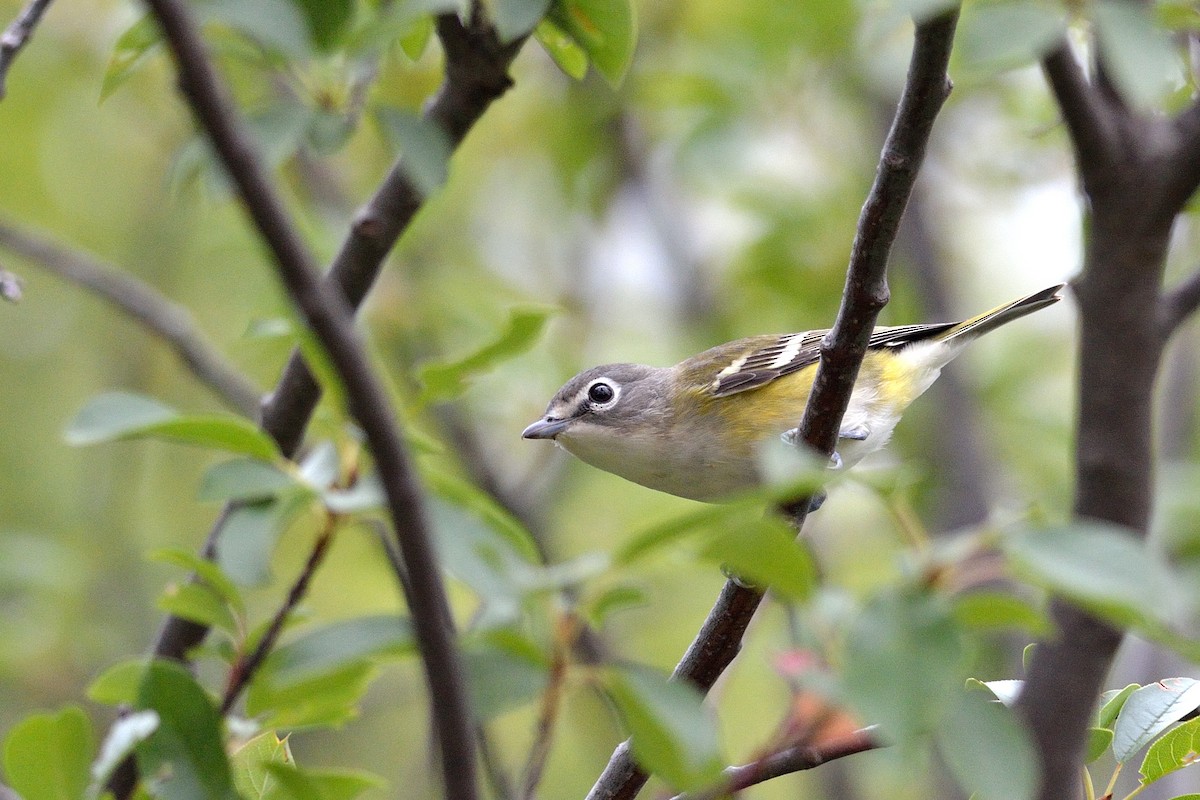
(696, 429)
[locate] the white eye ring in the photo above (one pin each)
(602, 393)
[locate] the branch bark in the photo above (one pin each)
(169, 320)
(330, 313)
(16, 36)
(476, 75)
(925, 90)
(1137, 171)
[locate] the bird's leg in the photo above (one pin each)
(855, 433)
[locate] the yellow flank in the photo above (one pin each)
(776, 407)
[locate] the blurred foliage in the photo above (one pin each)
(699, 186)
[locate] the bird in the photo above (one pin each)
(698, 429)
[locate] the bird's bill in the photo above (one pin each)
(545, 428)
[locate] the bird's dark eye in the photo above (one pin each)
(601, 393)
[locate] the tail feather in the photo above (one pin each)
(1002, 315)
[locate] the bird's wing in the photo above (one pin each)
(762, 359)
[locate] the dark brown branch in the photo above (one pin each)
(926, 89)
(1179, 303)
(476, 75)
(243, 670)
(16, 36)
(786, 762)
(169, 320)
(331, 317)
(1093, 126)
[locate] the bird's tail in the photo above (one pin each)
(1002, 315)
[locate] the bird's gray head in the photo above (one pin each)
(605, 397)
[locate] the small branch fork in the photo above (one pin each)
(17, 35)
(866, 292)
(1137, 171)
(328, 308)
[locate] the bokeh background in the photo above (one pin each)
(713, 194)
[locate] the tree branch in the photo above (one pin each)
(16, 36)
(1178, 304)
(330, 315)
(786, 762)
(925, 90)
(1093, 126)
(169, 320)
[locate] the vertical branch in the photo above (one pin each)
(16, 36)
(925, 90)
(330, 315)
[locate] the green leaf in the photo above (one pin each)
(297, 784)
(443, 381)
(416, 38)
(184, 758)
(119, 683)
(766, 551)
(987, 750)
(1150, 710)
(613, 600)
(205, 570)
(903, 660)
(504, 672)
(988, 610)
(605, 30)
(672, 733)
(425, 147)
(244, 479)
(47, 756)
(559, 45)
(1175, 750)
(249, 762)
(326, 20)
(516, 18)
(1099, 740)
(1138, 53)
(334, 647)
(471, 498)
(251, 531)
(1100, 567)
(1111, 703)
(198, 603)
(994, 37)
(276, 25)
(325, 701)
(129, 53)
(120, 415)
(704, 520)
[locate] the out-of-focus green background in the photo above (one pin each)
(712, 195)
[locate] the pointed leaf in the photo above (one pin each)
(672, 734)
(337, 646)
(130, 52)
(244, 479)
(120, 415)
(987, 749)
(1150, 710)
(185, 757)
(47, 756)
(1175, 750)
(1099, 740)
(605, 29)
(521, 331)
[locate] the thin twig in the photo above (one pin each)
(550, 707)
(243, 670)
(331, 318)
(785, 762)
(926, 89)
(168, 320)
(16, 36)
